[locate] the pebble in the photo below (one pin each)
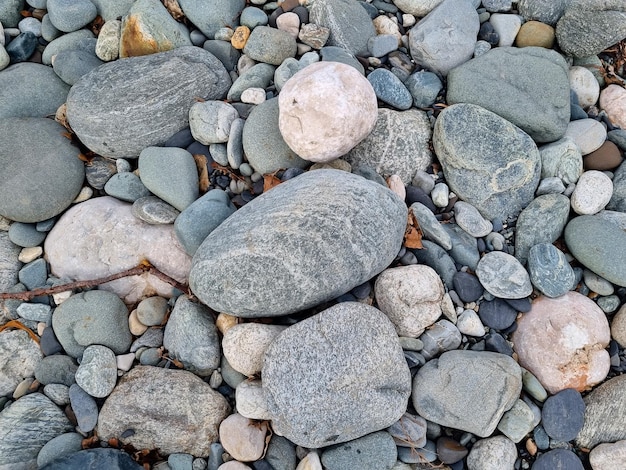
(535, 33)
(58, 393)
(22, 47)
(374, 451)
(241, 438)
(84, 407)
(251, 401)
(585, 85)
(257, 47)
(69, 15)
(561, 159)
(611, 101)
(607, 157)
(290, 23)
(382, 44)
(597, 284)
(558, 458)
(587, 134)
(35, 312)
(25, 235)
(153, 210)
(562, 415)
(210, 121)
(112, 459)
(430, 226)
(70, 65)
(59, 446)
(108, 44)
(390, 89)
(493, 453)
(314, 35)
(607, 456)
(180, 461)
(517, 422)
(469, 324)
(507, 26)
(592, 193)
(469, 219)
(552, 185)
(497, 314)
(409, 431)
(245, 344)
(126, 187)
(550, 272)
(503, 276)
(57, 369)
(281, 453)
(440, 195)
(467, 286)
(440, 337)
(25, 358)
(97, 372)
(424, 86)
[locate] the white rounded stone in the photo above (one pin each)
(253, 95)
(244, 345)
(469, 324)
(592, 193)
(242, 438)
(251, 401)
(588, 134)
(290, 23)
(440, 195)
(613, 102)
(585, 85)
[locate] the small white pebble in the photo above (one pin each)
(469, 324)
(30, 254)
(122, 165)
(61, 297)
(440, 195)
(253, 96)
(125, 361)
(85, 193)
(592, 193)
(408, 20)
(134, 325)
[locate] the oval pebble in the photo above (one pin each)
(592, 193)
(558, 458)
(549, 270)
(97, 372)
(584, 84)
(563, 415)
(588, 134)
(503, 276)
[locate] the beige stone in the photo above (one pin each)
(240, 37)
(242, 438)
(233, 465)
(225, 322)
(613, 101)
(244, 345)
(30, 254)
(325, 110)
(608, 456)
(562, 340)
(108, 45)
(290, 23)
(535, 33)
(618, 327)
(310, 462)
(134, 325)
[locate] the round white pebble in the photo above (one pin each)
(588, 134)
(469, 324)
(585, 85)
(253, 96)
(592, 193)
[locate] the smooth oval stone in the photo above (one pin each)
(497, 314)
(62, 445)
(558, 458)
(562, 415)
(390, 89)
(246, 266)
(149, 89)
(549, 270)
(503, 276)
(72, 64)
(599, 245)
(211, 15)
(153, 210)
(111, 459)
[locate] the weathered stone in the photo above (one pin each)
(97, 372)
(561, 159)
(270, 45)
(108, 45)
(546, 11)
(605, 409)
(607, 456)
(9, 262)
(503, 276)
(245, 345)
(211, 15)
(376, 451)
(242, 438)
(19, 356)
(549, 270)
(111, 459)
(493, 453)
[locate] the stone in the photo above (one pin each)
(10, 13)
(69, 41)
(382, 44)
(19, 355)
(562, 415)
(469, 324)
(607, 157)
(321, 195)
(257, 76)
(390, 89)
(469, 219)
(592, 193)
(110, 226)
(588, 27)
(597, 284)
(561, 341)
(430, 226)
(418, 8)
(517, 422)
(127, 187)
(618, 327)
(251, 401)
(243, 439)
(558, 458)
(25, 235)
(97, 372)
(313, 131)
(410, 296)
(549, 270)
(440, 337)
(32, 420)
(281, 453)
(546, 11)
(597, 243)
(245, 345)
(111, 459)
(464, 247)
(57, 369)
(71, 15)
(270, 45)
(448, 390)
(561, 159)
(374, 451)
(108, 45)
(41, 167)
(502, 275)
(535, 33)
(498, 183)
(587, 134)
(424, 86)
(606, 456)
(532, 91)
(210, 16)
(84, 407)
(506, 26)
(365, 360)
(493, 453)
(154, 211)
(618, 200)
(70, 65)
(612, 101)
(349, 24)
(438, 259)
(60, 446)
(442, 49)
(148, 28)
(584, 84)
(143, 401)
(143, 87)
(467, 286)
(398, 144)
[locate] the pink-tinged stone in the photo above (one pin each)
(613, 101)
(100, 237)
(242, 438)
(325, 110)
(562, 340)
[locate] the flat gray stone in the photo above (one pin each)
(464, 247)
(85, 408)
(527, 86)
(65, 42)
(503, 276)
(210, 15)
(488, 162)
(9, 264)
(363, 387)
(112, 9)
(450, 390)
(270, 45)
(549, 270)
(432, 229)
(294, 225)
(126, 186)
(153, 210)
(424, 86)
(56, 369)
(42, 172)
(376, 451)
(618, 199)
(398, 145)
(97, 372)
(493, 453)
(10, 13)
(257, 76)
(70, 15)
(149, 89)
(70, 65)
(19, 355)
(63, 444)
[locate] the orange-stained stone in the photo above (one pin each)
(240, 37)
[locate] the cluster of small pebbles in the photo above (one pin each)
(372, 234)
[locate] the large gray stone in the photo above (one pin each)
(445, 38)
(363, 386)
(30, 90)
(10, 12)
(398, 145)
(66, 42)
(19, 356)
(270, 45)
(450, 390)
(25, 427)
(618, 199)
(599, 245)
(487, 161)
(589, 26)
(527, 86)
(304, 242)
(41, 172)
(127, 105)
(546, 11)
(9, 263)
(376, 451)
(172, 410)
(211, 15)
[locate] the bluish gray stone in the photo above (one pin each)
(180, 461)
(48, 31)
(562, 415)
(58, 393)
(382, 44)
(558, 458)
(494, 165)
(376, 451)
(497, 314)
(339, 54)
(153, 210)
(549, 270)
(92, 459)
(464, 247)
(302, 397)
(191, 337)
(34, 274)
(224, 51)
(430, 226)
(281, 453)
(257, 76)
(599, 245)
(618, 199)
(22, 47)
(126, 186)
(10, 12)
(546, 11)
(423, 455)
(41, 169)
(253, 17)
(285, 71)
(32, 420)
(144, 87)
(270, 45)
(72, 64)
(22, 355)
(25, 235)
(467, 286)
(60, 446)
(234, 147)
(65, 42)
(437, 258)
(264, 239)
(85, 408)
(35, 312)
(390, 89)
(152, 338)
(30, 90)
(97, 372)
(9, 264)
(71, 15)
(112, 9)
(502, 275)
(211, 15)
(518, 421)
(57, 369)
(527, 86)
(424, 86)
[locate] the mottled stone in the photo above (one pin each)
(561, 159)
(376, 451)
(9, 262)
(607, 456)
(19, 355)
(97, 372)
(242, 438)
(549, 270)
(503, 276)
(111, 459)
(108, 45)
(270, 45)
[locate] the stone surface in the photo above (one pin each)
(607, 456)
(143, 88)
(398, 144)
(312, 130)
(108, 45)
(210, 121)
(376, 451)
(245, 345)
(9, 263)
(503, 276)
(607, 157)
(84, 407)
(535, 33)
(270, 45)
(592, 193)
(251, 401)
(618, 200)
(247, 242)
(546, 11)
(19, 355)
(448, 390)
(561, 341)
(109, 225)
(389, 89)
(469, 142)
(430, 226)
(111, 459)
(517, 422)
(242, 438)
(469, 219)
(209, 16)
(604, 411)
(493, 453)
(143, 401)
(60, 446)
(315, 407)
(97, 372)
(561, 159)
(562, 415)
(56, 369)
(532, 89)
(612, 101)
(70, 65)
(587, 134)
(549, 270)
(155, 211)
(70, 15)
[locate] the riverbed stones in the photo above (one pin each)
(449, 390)
(488, 162)
(142, 401)
(362, 357)
(562, 340)
(264, 240)
(19, 356)
(312, 130)
(606, 456)
(154, 109)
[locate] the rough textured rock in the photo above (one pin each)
(605, 410)
(211, 15)
(398, 145)
(546, 11)
(245, 345)
(97, 372)
(143, 401)
(612, 101)
(363, 387)
(561, 159)
(528, 87)
(18, 357)
(607, 456)
(376, 451)
(148, 99)
(618, 200)
(561, 341)
(493, 453)
(325, 110)
(41, 171)
(450, 390)
(81, 244)
(9, 262)
(487, 161)
(271, 257)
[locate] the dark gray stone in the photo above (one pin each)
(224, 51)
(618, 199)
(464, 247)
(390, 89)
(49, 343)
(41, 171)
(409, 431)
(437, 258)
(257, 76)
(467, 286)
(424, 86)
(60, 446)
(440, 337)
(487, 161)
(126, 186)
(22, 47)
(244, 267)
(270, 45)
(84, 407)
(281, 453)
(599, 245)
(549, 270)
(557, 459)
(527, 86)
(57, 369)
(562, 415)
(99, 171)
(376, 451)
(339, 54)
(546, 11)
(94, 459)
(9, 264)
(70, 65)
(431, 228)
(497, 314)
(303, 398)
(34, 274)
(211, 15)
(150, 90)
